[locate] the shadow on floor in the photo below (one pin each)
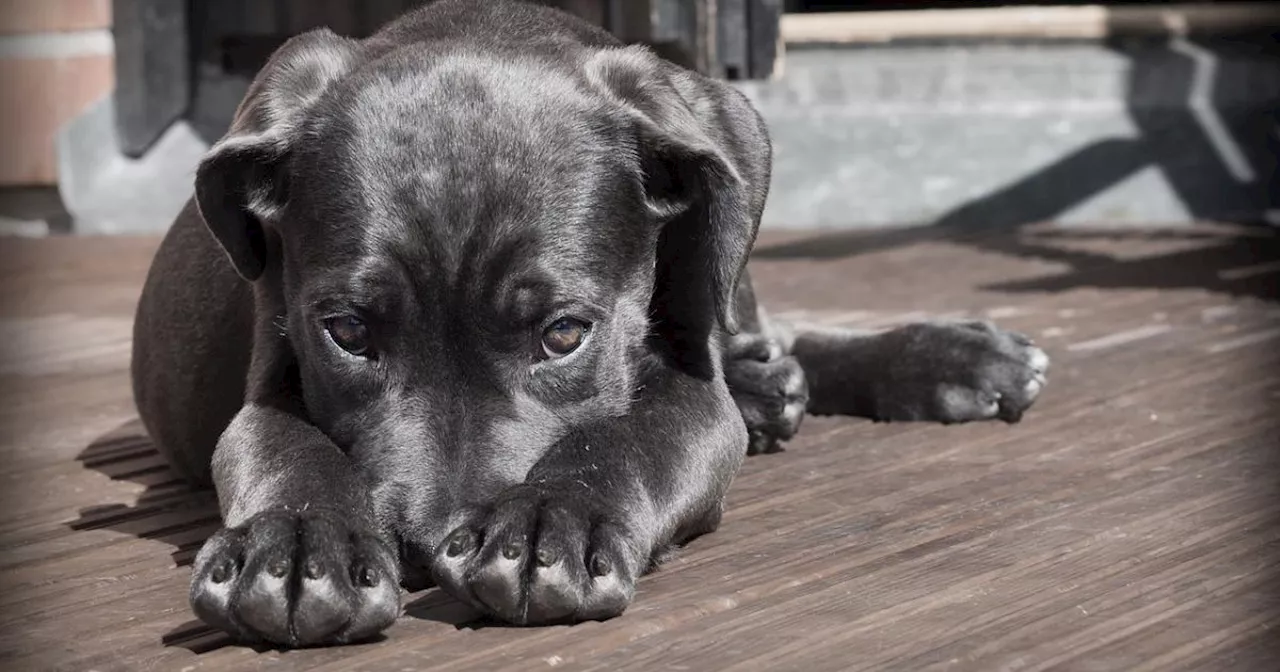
(167, 511)
(434, 605)
(171, 512)
(1245, 265)
(1206, 113)
(1230, 260)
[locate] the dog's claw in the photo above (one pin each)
(771, 393)
(974, 371)
(543, 559)
(460, 542)
(244, 580)
(368, 577)
(278, 568)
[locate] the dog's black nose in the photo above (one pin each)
(415, 565)
(414, 578)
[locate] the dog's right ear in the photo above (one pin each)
(242, 183)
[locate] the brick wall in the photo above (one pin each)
(56, 59)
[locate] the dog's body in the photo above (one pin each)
(489, 338)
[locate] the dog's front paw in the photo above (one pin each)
(297, 579)
(769, 389)
(537, 557)
(959, 372)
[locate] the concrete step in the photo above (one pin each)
(988, 133)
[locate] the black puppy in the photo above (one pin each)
(483, 324)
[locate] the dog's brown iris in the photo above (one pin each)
(350, 333)
(564, 336)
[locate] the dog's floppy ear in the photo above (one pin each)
(705, 156)
(242, 183)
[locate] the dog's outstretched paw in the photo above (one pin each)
(296, 579)
(769, 389)
(537, 557)
(959, 372)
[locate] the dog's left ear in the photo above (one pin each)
(705, 157)
(242, 182)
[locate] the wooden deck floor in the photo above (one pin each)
(1129, 523)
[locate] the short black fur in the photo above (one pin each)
(450, 187)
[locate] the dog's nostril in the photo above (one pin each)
(600, 566)
(547, 557)
(222, 572)
(513, 550)
(278, 568)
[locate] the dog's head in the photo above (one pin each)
(471, 254)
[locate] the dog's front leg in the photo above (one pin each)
(569, 543)
(299, 561)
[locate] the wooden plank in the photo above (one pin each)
(1129, 522)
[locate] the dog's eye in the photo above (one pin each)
(564, 336)
(350, 333)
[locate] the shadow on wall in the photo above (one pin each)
(1218, 155)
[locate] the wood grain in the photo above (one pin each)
(1130, 522)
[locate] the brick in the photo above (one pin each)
(43, 16)
(53, 91)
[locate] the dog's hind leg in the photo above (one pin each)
(767, 384)
(930, 371)
(945, 372)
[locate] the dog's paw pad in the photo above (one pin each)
(961, 372)
(538, 558)
(770, 390)
(296, 579)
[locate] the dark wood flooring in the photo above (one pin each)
(1130, 522)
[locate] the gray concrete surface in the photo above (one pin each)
(105, 191)
(973, 135)
(893, 135)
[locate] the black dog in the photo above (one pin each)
(485, 322)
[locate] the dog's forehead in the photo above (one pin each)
(466, 165)
(474, 124)
(467, 141)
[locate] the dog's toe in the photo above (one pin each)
(296, 580)
(555, 590)
(772, 396)
(1037, 359)
(534, 559)
(974, 371)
